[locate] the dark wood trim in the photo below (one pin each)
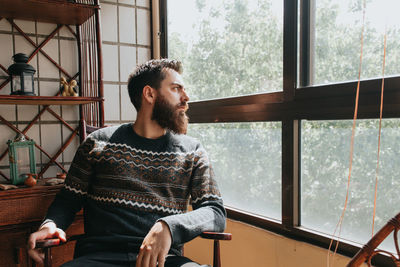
(24, 192)
(305, 43)
(348, 88)
(99, 57)
(47, 100)
(151, 29)
(53, 11)
(163, 28)
(288, 173)
(289, 49)
(328, 102)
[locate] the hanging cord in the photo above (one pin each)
(339, 224)
(380, 129)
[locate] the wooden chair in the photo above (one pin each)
(369, 250)
(47, 244)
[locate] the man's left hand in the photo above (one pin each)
(155, 246)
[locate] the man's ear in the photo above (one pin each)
(149, 94)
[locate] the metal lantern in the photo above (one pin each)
(21, 76)
(22, 159)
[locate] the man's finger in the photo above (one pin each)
(31, 242)
(34, 254)
(139, 258)
(161, 261)
(153, 261)
(146, 256)
(61, 234)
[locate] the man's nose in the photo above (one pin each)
(184, 96)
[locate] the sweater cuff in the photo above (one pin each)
(46, 221)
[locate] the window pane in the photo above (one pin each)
(228, 48)
(247, 161)
(338, 27)
(324, 172)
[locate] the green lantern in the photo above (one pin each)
(22, 159)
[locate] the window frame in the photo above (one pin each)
(299, 100)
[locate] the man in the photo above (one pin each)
(134, 182)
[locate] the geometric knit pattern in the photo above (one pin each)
(125, 176)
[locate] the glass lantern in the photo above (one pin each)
(22, 159)
(21, 76)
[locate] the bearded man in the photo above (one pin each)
(134, 182)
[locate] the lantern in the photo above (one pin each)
(22, 159)
(21, 76)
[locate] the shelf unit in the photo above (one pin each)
(47, 100)
(24, 208)
(53, 11)
(85, 15)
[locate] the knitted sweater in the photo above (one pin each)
(126, 183)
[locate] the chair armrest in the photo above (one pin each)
(216, 236)
(54, 242)
(48, 243)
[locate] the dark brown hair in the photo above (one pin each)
(150, 73)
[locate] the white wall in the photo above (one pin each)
(126, 34)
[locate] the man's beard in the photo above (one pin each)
(169, 116)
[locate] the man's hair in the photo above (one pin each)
(150, 73)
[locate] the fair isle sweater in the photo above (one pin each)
(125, 183)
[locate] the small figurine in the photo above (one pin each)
(30, 180)
(68, 88)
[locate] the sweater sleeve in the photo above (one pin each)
(71, 197)
(208, 211)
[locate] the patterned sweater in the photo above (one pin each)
(126, 183)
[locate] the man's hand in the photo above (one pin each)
(49, 230)
(155, 246)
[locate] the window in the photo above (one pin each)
(228, 48)
(241, 153)
(336, 34)
(272, 86)
(327, 144)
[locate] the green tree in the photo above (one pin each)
(243, 57)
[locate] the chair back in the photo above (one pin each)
(368, 251)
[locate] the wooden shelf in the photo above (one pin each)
(23, 191)
(53, 11)
(46, 100)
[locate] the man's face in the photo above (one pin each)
(171, 103)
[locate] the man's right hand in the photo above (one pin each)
(48, 230)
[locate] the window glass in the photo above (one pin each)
(337, 35)
(325, 148)
(229, 47)
(246, 159)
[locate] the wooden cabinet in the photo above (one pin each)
(13, 246)
(21, 214)
(22, 210)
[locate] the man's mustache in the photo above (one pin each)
(184, 106)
